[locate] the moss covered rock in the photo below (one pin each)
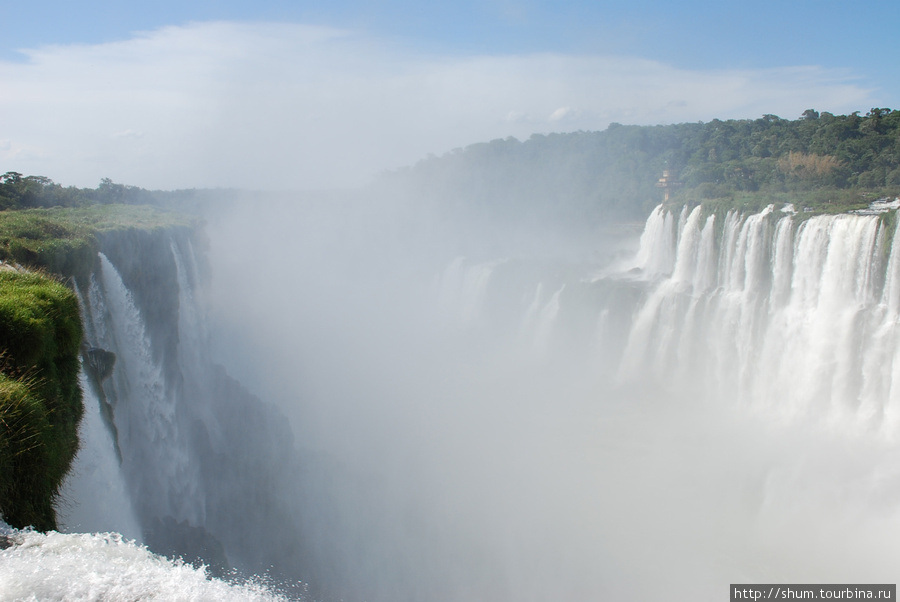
(40, 397)
(41, 332)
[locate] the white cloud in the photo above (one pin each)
(518, 117)
(281, 106)
(563, 114)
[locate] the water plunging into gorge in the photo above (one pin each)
(717, 406)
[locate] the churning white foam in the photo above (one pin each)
(105, 566)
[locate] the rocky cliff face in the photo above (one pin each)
(203, 459)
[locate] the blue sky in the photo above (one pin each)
(180, 93)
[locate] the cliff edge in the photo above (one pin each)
(45, 254)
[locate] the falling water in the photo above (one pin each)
(96, 469)
(150, 434)
(721, 407)
(793, 315)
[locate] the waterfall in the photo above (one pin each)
(97, 469)
(193, 451)
(720, 406)
(164, 479)
(97, 466)
(657, 243)
(541, 316)
(793, 316)
(462, 287)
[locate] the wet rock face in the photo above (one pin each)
(100, 362)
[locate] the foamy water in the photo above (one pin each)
(104, 567)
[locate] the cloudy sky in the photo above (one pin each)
(287, 94)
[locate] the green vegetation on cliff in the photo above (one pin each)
(63, 241)
(28, 192)
(40, 399)
(38, 239)
(40, 343)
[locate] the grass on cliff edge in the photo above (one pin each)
(40, 397)
(62, 240)
(40, 339)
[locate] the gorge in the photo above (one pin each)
(364, 405)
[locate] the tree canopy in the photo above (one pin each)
(612, 174)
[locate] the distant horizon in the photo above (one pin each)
(361, 186)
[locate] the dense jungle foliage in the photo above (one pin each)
(824, 160)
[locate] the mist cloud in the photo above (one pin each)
(563, 114)
(292, 106)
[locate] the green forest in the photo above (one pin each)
(830, 162)
(824, 161)
(18, 191)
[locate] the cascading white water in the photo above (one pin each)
(759, 357)
(96, 469)
(540, 317)
(462, 287)
(56, 567)
(700, 416)
(198, 453)
(153, 448)
(657, 243)
(794, 316)
(193, 337)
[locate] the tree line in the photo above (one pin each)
(23, 192)
(590, 177)
(613, 174)
(27, 192)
